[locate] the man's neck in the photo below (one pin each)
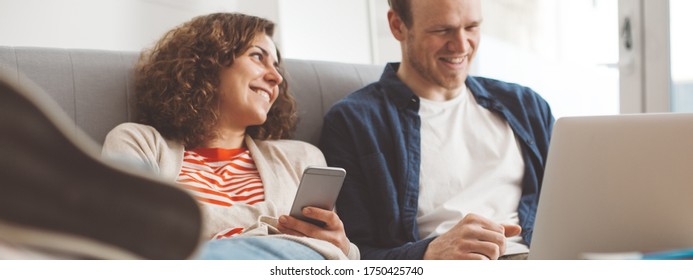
(424, 88)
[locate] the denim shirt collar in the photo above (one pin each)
(405, 98)
(402, 96)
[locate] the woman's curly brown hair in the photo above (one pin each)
(176, 81)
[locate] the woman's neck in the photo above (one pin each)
(227, 139)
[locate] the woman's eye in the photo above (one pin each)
(257, 56)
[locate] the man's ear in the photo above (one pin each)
(397, 26)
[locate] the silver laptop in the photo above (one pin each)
(616, 184)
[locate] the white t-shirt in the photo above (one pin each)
(470, 163)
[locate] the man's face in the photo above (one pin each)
(441, 41)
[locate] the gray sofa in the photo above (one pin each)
(95, 87)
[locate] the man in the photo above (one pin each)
(440, 165)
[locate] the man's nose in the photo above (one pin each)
(459, 42)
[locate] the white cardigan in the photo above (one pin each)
(279, 162)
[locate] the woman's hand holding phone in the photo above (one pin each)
(311, 213)
(319, 187)
(332, 231)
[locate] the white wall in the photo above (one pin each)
(387, 47)
(561, 49)
(681, 41)
(96, 24)
(335, 30)
(554, 46)
(681, 55)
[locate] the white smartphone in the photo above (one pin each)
(319, 188)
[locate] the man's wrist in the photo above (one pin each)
(429, 253)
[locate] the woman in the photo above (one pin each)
(213, 107)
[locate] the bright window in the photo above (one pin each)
(681, 55)
(566, 50)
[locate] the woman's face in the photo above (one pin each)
(249, 87)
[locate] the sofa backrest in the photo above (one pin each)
(95, 87)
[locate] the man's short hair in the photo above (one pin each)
(403, 9)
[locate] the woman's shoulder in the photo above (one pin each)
(294, 151)
(143, 145)
(134, 129)
(292, 155)
(289, 146)
(136, 135)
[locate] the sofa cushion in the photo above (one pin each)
(95, 87)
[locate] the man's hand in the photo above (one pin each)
(473, 238)
(332, 232)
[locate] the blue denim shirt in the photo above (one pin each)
(374, 133)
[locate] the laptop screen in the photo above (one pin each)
(616, 184)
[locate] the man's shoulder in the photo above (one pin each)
(503, 91)
(372, 92)
(495, 86)
(364, 99)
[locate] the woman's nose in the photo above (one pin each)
(273, 76)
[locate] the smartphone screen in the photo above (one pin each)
(319, 187)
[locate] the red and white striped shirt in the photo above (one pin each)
(222, 177)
